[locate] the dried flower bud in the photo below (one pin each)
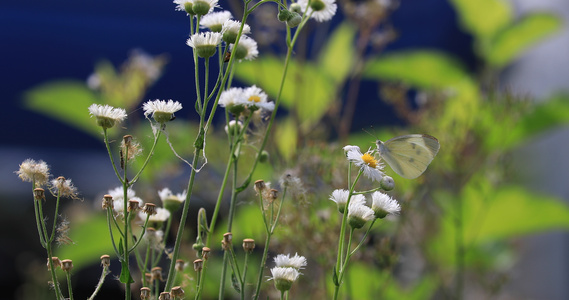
(108, 202)
(56, 262)
(164, 296)
(105, 261)
(66, 265)
(156, 273)
(260, 186)
(248, 245)
(180, 264)
(133, 205)
(145, 293)
(127, 139)
(148, 277)
(149, 209)
(205, 253)
(198, 265)
(226, 242)
(177, 292)
(273, 195)
(39, 194)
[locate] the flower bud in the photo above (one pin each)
(201, 7)
(248, 245)
(105, 261)
(198, 265)
(226, 242)
(294, 20)
(295, 7)
(177, 292)
(108, 202)
(145, 293)
(67, 265)
(283, 15)
(55, 261)
(234, 128)
(387, 183)
(39, 194)
(264, 156)
(205, 253)
(149, 209)
(260, 186)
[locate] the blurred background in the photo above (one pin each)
(488, 78)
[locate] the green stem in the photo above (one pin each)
(100, 283)
(38, 223)
(179, 235)
(150, 154)
(69, 287)
(106, 139)
(109, 217)
(262, 266)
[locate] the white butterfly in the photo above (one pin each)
(409, 155)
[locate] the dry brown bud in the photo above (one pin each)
(198, 265)
(105, 261)
(248, 245)
(66, 265)
(39, 194)
(108, 202)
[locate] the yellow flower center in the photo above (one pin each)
(369, 160)
(254, 98)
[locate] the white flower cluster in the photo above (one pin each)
(287, 270)
(235, 99)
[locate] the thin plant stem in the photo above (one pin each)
(100, 283)
(69, 287)
(179, 235)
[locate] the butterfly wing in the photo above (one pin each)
(409, 155)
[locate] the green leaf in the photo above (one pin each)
(307, 90)
(125, 273)
(235, 283)
(483, 18)
(493, 214)
(519, 36)
(422, 69)
(506, 133)
(66, 101)
(287, 138)
(337, 57)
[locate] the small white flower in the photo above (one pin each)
(205, 43)
(106, 115)
(284, 277)
(341, 198)
(255, 96)
(246, 49)
(298, 262)
(231, 97)
(203, 7)
(368, 164)
(161, 110)
(118, 193)
(35, 172)
(231, 29)
(320, 10)
(349, 148)
(359, 214)
(235, 127)
(183, 5)
(383, 205)
(170, 201)
(214, 21)
(161, 215)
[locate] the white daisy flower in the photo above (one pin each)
(184, 5)
(118, 194)
(371, 168)
(284, 277)
(359, 214)
(341, 198)
(106, 115)
(383, 205)
(257, 98)
(170, 201)
(350, 148)
(246, 49)
(161, 110)
(320, 10)
(203, 7)
(35, 172)
(298, 262)
(205, 43)
(234, 127)
(231, 29)
(214, 21)
(161, 215)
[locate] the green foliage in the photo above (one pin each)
(519, 36)
(87, 234)
(337, 57)
(494, 213)
(66, 101)
(483, 18)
